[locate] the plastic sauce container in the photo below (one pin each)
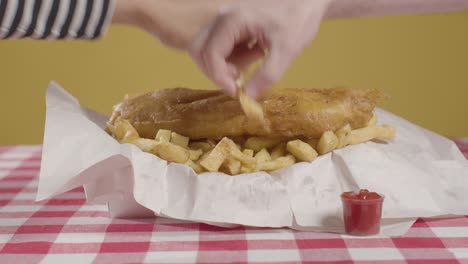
(362, 212)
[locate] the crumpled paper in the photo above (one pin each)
(421, 174)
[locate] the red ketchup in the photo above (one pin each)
(362, 212)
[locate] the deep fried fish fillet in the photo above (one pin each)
(200, 114)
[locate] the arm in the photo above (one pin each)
(173, 22)
(54, 19)
(362, 8)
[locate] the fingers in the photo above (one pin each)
(243, 55)
(197, 46)
(222, 51)
(212, 53)
(275, 65)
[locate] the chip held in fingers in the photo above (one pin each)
(251, 108)
(240, 150)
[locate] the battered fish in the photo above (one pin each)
(200, 114)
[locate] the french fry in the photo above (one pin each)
(276, 164)
(252, 109)
(341, 134)
(246, 160)
(231, 166)
(204, 146)
(110, 124)
(146, 145)
(365, 134)
(224, 149)
(248, 152)
(262, 156)
(278, 151)
(114, 117)
(213, 161)
(195, 154)
(373, 120)
(232, 150)
(110, 129)
(195, 166)
(301, 150)
(259, 143)
(172, 153)
(179, 140)
(164, 150)
(129, 136)
(246, 170)
(328, 142)
(204, 155)
(124, 131)
(163, 135)
(226, 155)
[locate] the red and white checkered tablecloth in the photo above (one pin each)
(66, 230)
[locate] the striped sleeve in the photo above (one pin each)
(54, 19)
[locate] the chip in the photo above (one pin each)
(252, 109)
(248, 152)
(301, 150)
(231, 166)
(171, 152)
(341, 134)
(365, 134)
(259, 143)
(179, 140)
(124, 131)
(276, 164)
(262, 156)
(163, 135)
(328, 142)
(278, 151)
(258, 153)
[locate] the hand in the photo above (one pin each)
(283, 28)
(174, 23)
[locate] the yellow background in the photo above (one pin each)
(420, 61)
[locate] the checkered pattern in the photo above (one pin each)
(67, 230)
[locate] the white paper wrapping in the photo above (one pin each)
(420, 173)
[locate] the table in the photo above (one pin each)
(67, 230)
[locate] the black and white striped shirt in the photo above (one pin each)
(54, 19)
